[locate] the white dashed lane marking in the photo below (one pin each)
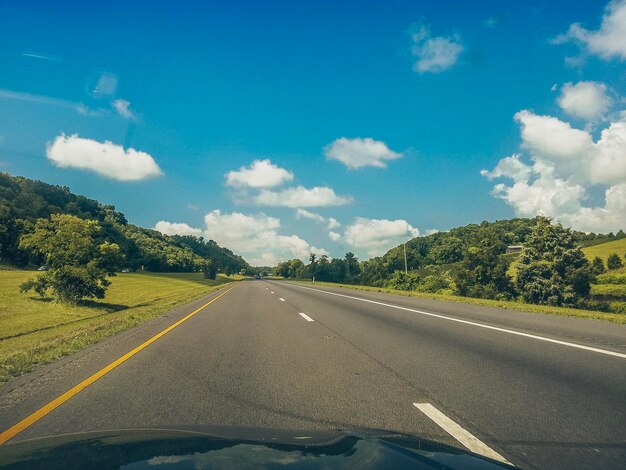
(463, 436)
(305, 316)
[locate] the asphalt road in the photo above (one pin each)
(539, 391)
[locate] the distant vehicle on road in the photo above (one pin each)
(43, 268)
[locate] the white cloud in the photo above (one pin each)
(83, 109)
(304, 214)
(572, 152)
(607, 42)
(611, 217)
(300, 196)
(255, 237)
(608, 162)
(333, 223)
(105, 158)
(260, 174)
(123, 108)
(169, 228)
(334, 236)
(565, 164)
(376, 236)
(552, 138)
(357, 153)
(330, 222)
(434, 54)
(586, 100)
(492, 22)
(510, 167)
(544, 194)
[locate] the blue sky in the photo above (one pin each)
(425, 95)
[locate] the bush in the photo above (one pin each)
(612, 278)
(442, 283)
(614, 261)
(617, 307)
(402, 281)
(597, 266)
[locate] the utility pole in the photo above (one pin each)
(406, 267)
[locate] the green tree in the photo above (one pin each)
(597, 266)
(483, 272)
(449, 251)
(209, 268)
(352, 269)
(78, 265)
(552, 269)
(614, 261)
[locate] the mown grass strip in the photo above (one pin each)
(38, 332)
(519, 306)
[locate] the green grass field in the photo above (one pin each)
(523, 307)
(34, 331)
(603, 250)
(609, 287)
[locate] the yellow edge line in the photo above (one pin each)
(43, 411)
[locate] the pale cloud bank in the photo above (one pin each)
(259, 174)
(609, 41)
(358, 153)
(253, 236)
(585, 100)
(300, 196)
(104, 158)
(434, 54)
(169, 228)
(377, 236)
(565, 163)
(123, 109)
(330, 222)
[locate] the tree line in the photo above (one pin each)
(473, 261)
(25, 203)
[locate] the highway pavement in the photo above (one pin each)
(537, 391)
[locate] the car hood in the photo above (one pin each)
(196, 447)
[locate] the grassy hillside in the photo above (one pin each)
(609, 287)
(603, 250)
(34, 331)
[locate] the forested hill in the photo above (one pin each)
(443, 248)
(434, 257)
(23, 201)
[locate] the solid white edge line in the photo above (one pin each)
(481, 325)
(466, 438)
(281, 299)
(305, 316)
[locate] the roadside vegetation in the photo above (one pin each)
(74, 271)
(505, 304)
(551, 267)
(36, 330)
(25, 202)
